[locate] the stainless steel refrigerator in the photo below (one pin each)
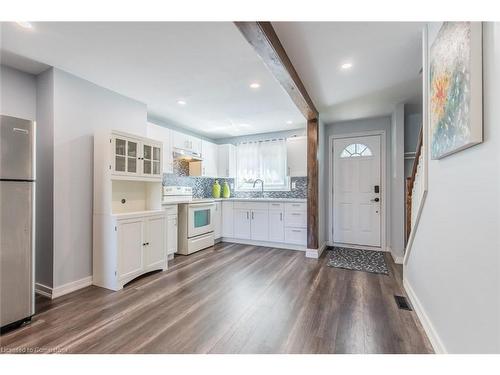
(17, 223)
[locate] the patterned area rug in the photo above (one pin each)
(358, 260)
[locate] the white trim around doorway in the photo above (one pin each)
(383, 178)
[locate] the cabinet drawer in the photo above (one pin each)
(296, 236)
(295, 206)
(295, 219)
(171, 210)
(251, 205)
(276, 206)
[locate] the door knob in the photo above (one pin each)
(375, 200)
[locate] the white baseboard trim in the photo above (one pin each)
(43, 290)
(277, 245)
(398, 259)
(429, 329)
(316, 253)
(71, 287)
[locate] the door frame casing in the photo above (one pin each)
(383, 182)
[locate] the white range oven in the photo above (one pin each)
(195, 224)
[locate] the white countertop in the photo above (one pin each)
(296, 200)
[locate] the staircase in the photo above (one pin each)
(414, 188)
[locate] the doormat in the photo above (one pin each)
(358, 260)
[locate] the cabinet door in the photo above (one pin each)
(276, 226)
(260, 225)
(151, 159)
(227, 219)
(218, 220)
(154, 251)
(163, 135)
(296, 150)
(171, 234)
(226, 161)
(242, 224)
(125, 153)
(195, 144)
(210, 157)
(130, 247)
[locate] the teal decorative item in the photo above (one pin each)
(226, 192)
(216, 189)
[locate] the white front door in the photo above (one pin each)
(357, 191)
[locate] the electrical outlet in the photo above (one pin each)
(294, 184)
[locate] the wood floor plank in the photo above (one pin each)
(231, 298)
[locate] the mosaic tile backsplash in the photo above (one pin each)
(202, 186)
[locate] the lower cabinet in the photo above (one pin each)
(217, 220)
(276, 226)
(130, 236)
(227, 219)
(259, 228)
(155, 245)
(137, 246)
(281, 222)
(242, 225)
(171, 228)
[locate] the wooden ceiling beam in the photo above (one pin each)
(266, 43)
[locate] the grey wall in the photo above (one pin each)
(363, 125)
(17, 93)
(397, 217)
(81, 108)
(45, 179)
(454, 264)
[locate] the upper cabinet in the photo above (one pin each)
(226, 161)
(162, 134)
(133, 156)
(296, 150)
(186, 142)
(210, 159)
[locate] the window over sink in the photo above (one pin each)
(264, 160)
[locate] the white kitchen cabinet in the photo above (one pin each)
(242, 223)
(171, 212)
(135, 156)
(296, 236)
(186, 142)
(259, 228)
(163, 135)
(226, 161)
(171, 235)
(125, 160)
(296, 150)
(227, 219)
(276, 226)
(130, 238)
(209, 153)
(140, 248)
(155, 245)
(218, 220)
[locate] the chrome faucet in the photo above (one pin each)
(262, 186)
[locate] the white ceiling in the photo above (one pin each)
(386, 58)
(208, 65)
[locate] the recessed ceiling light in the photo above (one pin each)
(181, 102)
(289, 122)
(255, 85)
(346, 66)
(25, 25)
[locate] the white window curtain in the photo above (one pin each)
(265, 160)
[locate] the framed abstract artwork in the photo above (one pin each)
(455, 88)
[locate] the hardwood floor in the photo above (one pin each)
(231, 299)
